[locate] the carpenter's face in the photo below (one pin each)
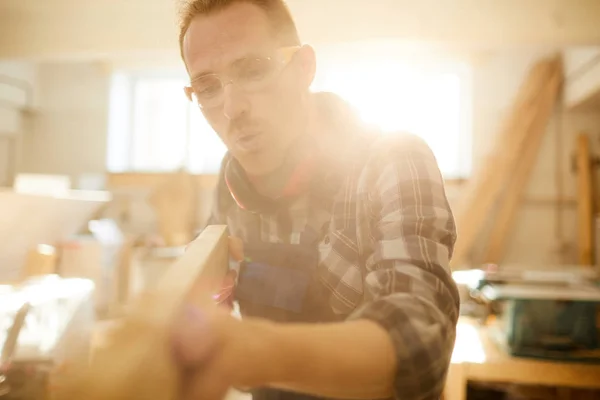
(252, 91)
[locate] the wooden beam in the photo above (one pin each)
(151, 180)
(585, 197)
(504, 217)
(486, 186)
(137, 362)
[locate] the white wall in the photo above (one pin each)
(19, 70)
(68, 133)
(582, 65)
(17, 96)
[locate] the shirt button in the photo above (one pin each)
(326, 239)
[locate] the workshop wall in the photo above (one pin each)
(68, 132)
(68, 136)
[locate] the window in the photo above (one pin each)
(411, 91)
(153, 128)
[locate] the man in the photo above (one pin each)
(345, 234)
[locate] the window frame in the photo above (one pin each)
(122, 137)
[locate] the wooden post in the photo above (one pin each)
(456, 382)
(584, 196)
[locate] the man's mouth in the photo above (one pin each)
(249, 142)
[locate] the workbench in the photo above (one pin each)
(477, 358)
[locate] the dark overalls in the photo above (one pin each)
(279, 282)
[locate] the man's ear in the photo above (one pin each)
(305, 61)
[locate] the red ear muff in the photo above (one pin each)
(301, 178)
(240, 188)
(235, 194)
(247, 198)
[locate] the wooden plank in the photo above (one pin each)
(456, 382)
(486, 185)
(207, 182)
(585, 197)
(485, 188)
(136, 363)
(151, 180)
(509, 206)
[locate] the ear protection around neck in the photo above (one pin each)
(248, 198)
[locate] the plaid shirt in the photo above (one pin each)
(385, 235)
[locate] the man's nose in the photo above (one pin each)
(235, 102)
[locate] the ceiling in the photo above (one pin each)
(83, 28)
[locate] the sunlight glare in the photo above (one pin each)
(468, 347)
(398, 97)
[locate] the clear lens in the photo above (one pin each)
(207, 87)
(251, 74)
(253, 70)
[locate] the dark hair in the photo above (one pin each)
(277, 11)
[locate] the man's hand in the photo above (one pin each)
(216, 352)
